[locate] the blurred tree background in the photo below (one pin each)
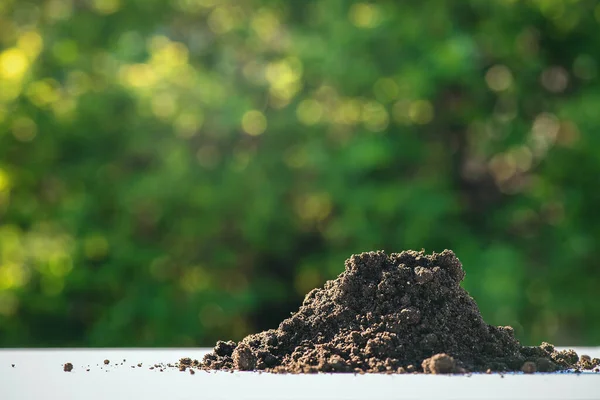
(174, 172)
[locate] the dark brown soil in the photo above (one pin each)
(392, 313)
(68, 367)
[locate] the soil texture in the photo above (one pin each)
(397, 313)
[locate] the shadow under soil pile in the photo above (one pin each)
(392, 313)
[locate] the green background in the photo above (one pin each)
(176, 172)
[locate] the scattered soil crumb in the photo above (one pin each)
(192, 372)
(528, 367)
(68, 367)
(439, 364)
(186, 361)
(106, 362)
(12, 365)
(389, 313)
(587, 362)
(544, 365)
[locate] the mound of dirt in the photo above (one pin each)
(392, 313)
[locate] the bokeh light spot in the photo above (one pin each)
(222, 20)
(187, 124)
(4, 180)
(9, 90)
(12, 275)
(400, 112)
(375, 116)
(254, 122)
(164, 105)
(420, 112)
(265, 23)
(295, 157)
(544, 133)
(499, 78)
(60, 264)
(314, 207)
(309, 112)
(195, 279)
(137, 75)
(44, 92)
(24, 129)
(502, 166)
(106, 7)
(523, 158)
(284, 78)
(348, 112)
(546, 125)
(31, 43)
(78, 83)
(13, 63)
(555, 79)
(58, 10)
(386, 90)
(363, 15)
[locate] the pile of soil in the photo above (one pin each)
(392, 313)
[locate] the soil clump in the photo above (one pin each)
(397, 313)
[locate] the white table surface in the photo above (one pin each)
(38, 374)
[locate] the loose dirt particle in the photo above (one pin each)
(528, 367)
(545, 365)
(12, 365)
(106, 362)
(388, 313)
(439, 364)
(586, 362)
(68, 367)
(192, 372)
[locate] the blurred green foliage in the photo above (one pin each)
(176, 172)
